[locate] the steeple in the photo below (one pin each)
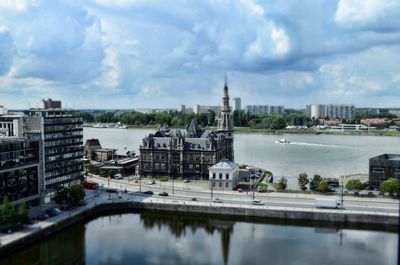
(225, 121)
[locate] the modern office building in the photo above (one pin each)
(383, 167)
(21, 170)
(188, 153)
(237, 105)
(276, 110)
(342, 111)
(62, 134)
(11, 124)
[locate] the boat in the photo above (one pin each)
(282, 141)
(99, 125)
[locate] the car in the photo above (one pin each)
(53, 212)
(151, 182)
(257, 202)
(217, 200)
(42, 217)
(164, 194)
(186, 180)
(194, 199)
(149, 192)
(239, 190)
(118, 176)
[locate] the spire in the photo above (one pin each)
(226, 88)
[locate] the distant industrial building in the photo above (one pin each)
(51, 104)
(383, 167)
(206, 109)
(21, 170)
(237, 104)
(264, 109)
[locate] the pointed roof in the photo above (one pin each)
(193, 129)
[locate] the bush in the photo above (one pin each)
(303, 181)
(391, 186)
(282, 184)
(314, 183)
(354, 185)
(323, 186)
(76, 194)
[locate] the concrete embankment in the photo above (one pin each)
(111, 207)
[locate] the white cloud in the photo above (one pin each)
(6, 50)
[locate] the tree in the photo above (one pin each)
(6, 211)
(282, 184)
(354, 185)
(61, 195)
(76, 194)
(110, 173)
(391, 186)
(303, 181)
(23, 213)
(323, 186)
(314, 183)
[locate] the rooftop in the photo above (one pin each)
(225, 164)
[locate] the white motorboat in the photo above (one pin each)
(282, 141)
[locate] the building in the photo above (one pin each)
(237, 104)
(62, 134)
(21, 170)
(224, 175)
(383, 167)
(316, 111)
(94, 151)
(51, 104)
(188, 153)
(352, 127)
(342, 111)
(11, 124)
(264, 109)
(257, 109)
(206, 109)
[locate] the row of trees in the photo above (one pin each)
(13, 216)
(69, 196)
(317, 183)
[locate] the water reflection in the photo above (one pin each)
(168, 238)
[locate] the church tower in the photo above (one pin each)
(225, 125)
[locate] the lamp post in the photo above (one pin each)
(341, 196)
(211, 184)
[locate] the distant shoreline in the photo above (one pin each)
(283, 131)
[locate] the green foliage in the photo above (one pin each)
(282, 184)
(110, 173)
(61, 195)
(323, 186)
(303, 181)
(391, 186)
(76, 194)
(262, 185)
(314, 183)
(11, 216)
(23, 213)
(354, 185)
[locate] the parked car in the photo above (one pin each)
(42, 217)
(53, 212)
(151, 182)
(239, 190)
(164, 194)
(194, 199)
(118, 176)
(186, 180)
(149, 192)
(217, 200)
(257, 202)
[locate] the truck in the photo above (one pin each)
(89, 184)
(327, 203)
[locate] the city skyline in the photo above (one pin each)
(156, 54)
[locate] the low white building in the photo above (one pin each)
(224, 175)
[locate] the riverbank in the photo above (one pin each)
(102, 206)
(269, 131)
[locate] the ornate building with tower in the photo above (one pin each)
(188, 153)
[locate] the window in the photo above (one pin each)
(220, 184)
(220, 175)
(190, 166)
(214, 176)
(227, 184)
(213, 184)
(227, 176)
(378, 170)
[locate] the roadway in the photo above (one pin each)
(199, 189)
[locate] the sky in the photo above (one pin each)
(128, 54)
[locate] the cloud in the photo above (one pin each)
(6, 50)
(369, 14)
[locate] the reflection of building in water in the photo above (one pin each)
(67, 248)
(178, 224)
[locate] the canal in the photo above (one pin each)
(165, 238)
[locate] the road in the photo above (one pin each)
(199, 189)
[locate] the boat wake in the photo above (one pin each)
(319, 145)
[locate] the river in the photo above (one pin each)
(155, 238)
(327, 155)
